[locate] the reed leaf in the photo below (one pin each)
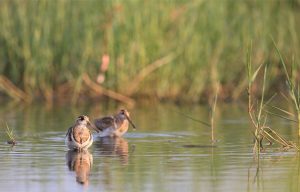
(281, 116)
(282, 110)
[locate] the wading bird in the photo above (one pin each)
(114, 126)
(79, 137)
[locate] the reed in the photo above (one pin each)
(168, 47)
(212, 115)
(255, 111)
(258, 113)
(10, 135)
(293, 87)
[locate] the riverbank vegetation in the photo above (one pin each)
(174, 50)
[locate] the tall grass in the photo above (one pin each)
(255, 108)
(47, 46)
(257, 112)
(293, 87)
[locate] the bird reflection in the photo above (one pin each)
(81, 163)
(113, 146)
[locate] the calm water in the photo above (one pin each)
(168, 152)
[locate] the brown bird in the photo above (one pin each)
(114, 126)
(79, 137)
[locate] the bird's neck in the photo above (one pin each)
(120, 119)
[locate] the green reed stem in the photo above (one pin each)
(212, 118)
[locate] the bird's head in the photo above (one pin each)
(124, 114)
(83, 119)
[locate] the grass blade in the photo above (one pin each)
(281, 116)
(282, 110)
(194, 119)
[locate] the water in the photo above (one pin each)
(168, 152)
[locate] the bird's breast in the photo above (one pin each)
(81, 134)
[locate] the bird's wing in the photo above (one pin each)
(105, 123)
(69, 133)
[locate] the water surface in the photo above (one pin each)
(168, 152)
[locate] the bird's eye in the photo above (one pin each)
(81, 118)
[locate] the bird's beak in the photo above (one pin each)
(93, 126)
(134, 127)
(89, 123)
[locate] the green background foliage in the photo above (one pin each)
(47, 44)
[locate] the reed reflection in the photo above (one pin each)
(113, 146)
(80, 163)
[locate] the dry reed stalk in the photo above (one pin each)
(109, 93)
(12, 90)
(147, 70)
(272, 135)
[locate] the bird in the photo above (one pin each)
(79, 137)
(115, 125)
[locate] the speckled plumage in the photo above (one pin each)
(79, 136)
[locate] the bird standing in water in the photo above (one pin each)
(79, 137)
(114, 126)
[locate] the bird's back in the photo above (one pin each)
(104, 123)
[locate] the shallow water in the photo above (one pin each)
(168, 152)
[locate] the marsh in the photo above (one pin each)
(168, 152)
